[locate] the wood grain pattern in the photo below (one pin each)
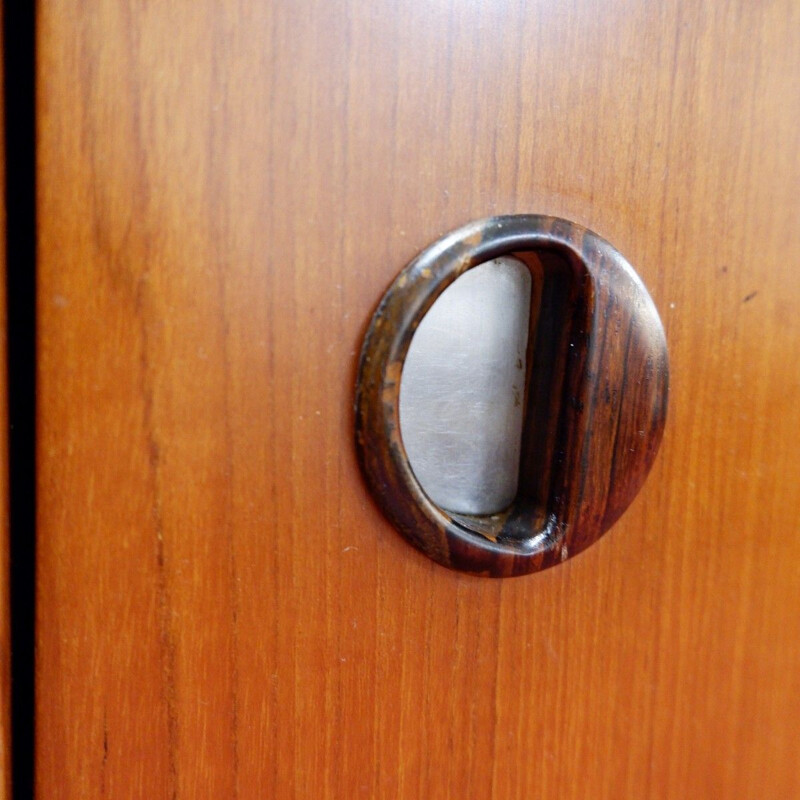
(595, 396)
(225, 190)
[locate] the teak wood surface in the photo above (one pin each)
(225, 189)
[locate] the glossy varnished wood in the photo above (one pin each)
(595, 396)
(225, 190)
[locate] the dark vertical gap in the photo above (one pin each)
(548, 358)
(19, 99)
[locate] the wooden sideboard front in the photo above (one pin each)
(225, 190)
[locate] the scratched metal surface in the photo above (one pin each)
(462, 389)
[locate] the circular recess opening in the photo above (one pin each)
(511, 394)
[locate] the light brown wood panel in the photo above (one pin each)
(225, 189)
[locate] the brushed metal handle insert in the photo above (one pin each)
(462, 390)
(594, 404)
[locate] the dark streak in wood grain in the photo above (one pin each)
(166, 634)
(105, 755)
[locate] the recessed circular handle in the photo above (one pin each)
(595, 396)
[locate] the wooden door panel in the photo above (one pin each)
(225, 189)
